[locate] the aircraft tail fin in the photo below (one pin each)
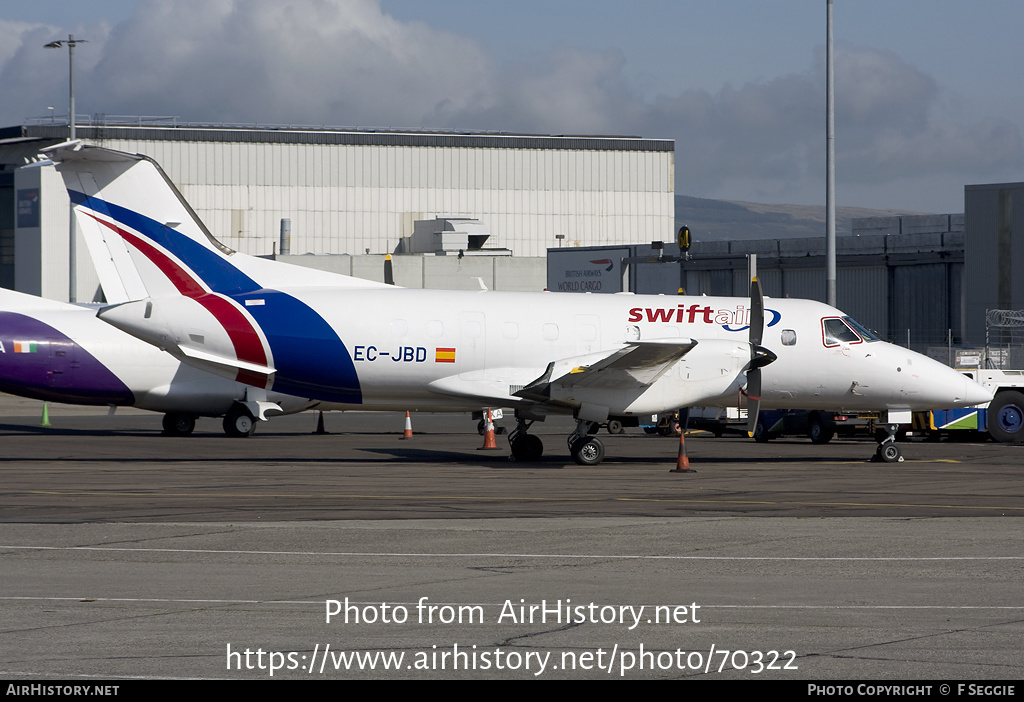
(144, 237)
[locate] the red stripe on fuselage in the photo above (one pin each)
(185, 283)
(247, 343)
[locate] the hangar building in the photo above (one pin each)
(994, 253)
(352, 192)
(899, 275)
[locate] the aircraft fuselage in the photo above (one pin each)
(399, 348)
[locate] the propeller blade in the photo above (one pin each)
(759, 356)
(756, 312)
(389, 273)
(753, 398)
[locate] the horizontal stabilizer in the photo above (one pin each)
(223, 361)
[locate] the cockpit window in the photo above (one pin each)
(835, 332)
(864, 332)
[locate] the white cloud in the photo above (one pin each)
(288, 61)
(346, 62)
(12, 37)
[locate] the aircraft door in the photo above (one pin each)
(471, 353)
(59, 373)
(587, 332)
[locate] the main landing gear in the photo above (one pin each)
(238, 422)
(178, 424)
(888, 451)
(525, 447)
(585, 448)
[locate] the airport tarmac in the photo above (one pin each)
(127, 554)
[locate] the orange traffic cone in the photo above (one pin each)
(408, 426)
(682, 461)
(489, 442)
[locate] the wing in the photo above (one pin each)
(635, 366)
(637, 378)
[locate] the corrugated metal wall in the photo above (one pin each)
(919, 305)
(345, 198)
(863, 293)
(891, 284)
(994, 229)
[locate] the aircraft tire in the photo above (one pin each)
(890, 452)
(761, 433)
(238, 423)
(178, 424)
(527, 448)
(615, 427)
(820, 430)
(587, 451)
(1006, 417)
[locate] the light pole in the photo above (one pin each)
(72, 248)
(830, 167)
(71, 42)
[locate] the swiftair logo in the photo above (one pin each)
(737, 319)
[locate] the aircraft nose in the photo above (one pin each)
(975, 393)
(941, 387)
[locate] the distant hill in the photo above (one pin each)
(718, 220)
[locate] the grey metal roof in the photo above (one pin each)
(344, 137)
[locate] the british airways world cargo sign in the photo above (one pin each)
(586, 270)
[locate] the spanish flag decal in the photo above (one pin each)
(444, 355)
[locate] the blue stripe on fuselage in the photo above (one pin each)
(311, 360)
(208, 265)
(310, 357)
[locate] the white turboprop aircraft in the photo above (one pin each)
(62, 353)
(283, 328)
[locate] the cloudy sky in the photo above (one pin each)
(929, 93)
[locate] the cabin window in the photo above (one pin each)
(550, 332)
(789, 337)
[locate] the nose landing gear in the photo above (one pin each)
(888, 451)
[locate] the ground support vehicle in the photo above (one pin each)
(1002, 418)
